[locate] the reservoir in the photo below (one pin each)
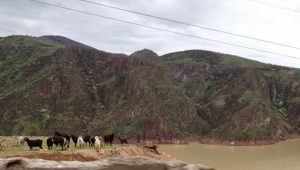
(281, 156)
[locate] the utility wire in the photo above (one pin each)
(165, 30)
(192, 25)
(275, 6)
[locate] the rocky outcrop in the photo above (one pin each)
(117, 163)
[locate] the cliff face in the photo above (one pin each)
(46, 85)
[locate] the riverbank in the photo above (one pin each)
(89, 154)
(210, 141)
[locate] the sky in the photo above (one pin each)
(245, 17)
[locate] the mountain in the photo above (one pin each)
(240, 99)
(64, 41)
(48, 84)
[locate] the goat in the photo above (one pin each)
(74, 138)
(20, 140)
(34, 143)
(63, 135)
(97, 143)
(87, 139)
(80, 141)
(50, 142)
(108, 139)
(92, 141)
(62, 141)
(123, 140)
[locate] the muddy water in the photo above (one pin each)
(281, 156)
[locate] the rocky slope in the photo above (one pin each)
(48, 85)
(239, 98)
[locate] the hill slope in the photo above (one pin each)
(64, 41)
(239, 98)
(46, 85)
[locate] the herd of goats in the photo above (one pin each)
(63, 140)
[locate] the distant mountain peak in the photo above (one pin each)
(64, 41)
(144, 53)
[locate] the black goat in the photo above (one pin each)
(58, 134)
(62, 141)
(34, 143)
(123, 140)
(63, 135)
(50, 143)
(74, 138)
(108, 139)
(92, 140)
(87, 139)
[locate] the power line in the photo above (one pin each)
(275, 6)
(164, 30)
(192, 25)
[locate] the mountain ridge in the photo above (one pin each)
(47, 85)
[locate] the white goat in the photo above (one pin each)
(20, 140)
(80, 141)
(97, 143)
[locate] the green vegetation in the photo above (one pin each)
(235, 61)
(24, 56)
(254, 132)
(212, 58)
(249, 96)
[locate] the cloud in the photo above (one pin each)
(242, 17)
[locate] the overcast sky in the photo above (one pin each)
(238, 16)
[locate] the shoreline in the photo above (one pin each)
(88, 154)
(210, 141)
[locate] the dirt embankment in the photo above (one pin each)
(90, 154)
